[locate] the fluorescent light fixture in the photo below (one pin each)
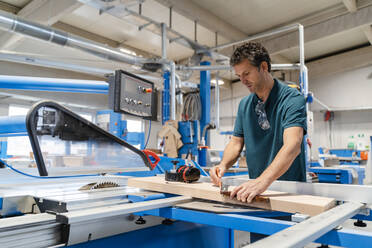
(220, 82)
(127, 51)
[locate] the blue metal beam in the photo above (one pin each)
(12, 126)
(205, 97)
(53, 84)
(166, 99)
(233, 221)
(344, 237)
(3, 150)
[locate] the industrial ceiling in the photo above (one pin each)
(331, 27)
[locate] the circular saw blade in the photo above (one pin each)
(100, 185)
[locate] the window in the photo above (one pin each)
(86, 116)
(20, 145)
(134, 126)
(18, 110)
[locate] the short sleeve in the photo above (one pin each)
(238, 127)
(295, 114)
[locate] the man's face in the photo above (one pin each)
(249, 75)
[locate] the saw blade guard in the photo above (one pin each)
(65, 143)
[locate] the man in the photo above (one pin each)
(271, 123)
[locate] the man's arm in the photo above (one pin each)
(292, 140)
(230, 155)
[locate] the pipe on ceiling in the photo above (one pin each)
(10, 22)
(228, 67)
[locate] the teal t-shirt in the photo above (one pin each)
(285, 107)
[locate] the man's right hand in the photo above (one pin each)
(216, 174)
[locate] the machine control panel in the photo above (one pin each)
(133, 95)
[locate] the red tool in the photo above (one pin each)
(149, 153)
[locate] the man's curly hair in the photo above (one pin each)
(254, 52)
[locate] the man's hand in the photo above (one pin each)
(216, 173)
(247, 191)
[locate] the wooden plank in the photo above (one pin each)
(278, 201)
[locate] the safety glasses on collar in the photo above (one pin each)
(261, 113)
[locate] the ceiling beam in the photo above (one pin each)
(280, 59)
(45, 12)
(204, 17)
(339, 63)
(324, 14)
(318, 31)
(9, 8)
(85, 34)
(351, 5)
(98, 38)
(368, 32)
(48, 11)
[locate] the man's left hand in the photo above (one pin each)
(248, 190)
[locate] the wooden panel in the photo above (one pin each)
(278, 201)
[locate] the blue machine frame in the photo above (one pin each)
(189, 136)
(217, 229)
(179, 234)
(166, 98)
(263, 225)
(333, 175)
(339, 175)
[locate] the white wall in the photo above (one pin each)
(346, 89)
(350, 89)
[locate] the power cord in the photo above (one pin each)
(148, 135)
(191, 107)
(39, 177)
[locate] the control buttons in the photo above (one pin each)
(131, 101)
(144, 90)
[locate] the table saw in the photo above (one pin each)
(86, 202)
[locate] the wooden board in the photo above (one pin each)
(278, 201)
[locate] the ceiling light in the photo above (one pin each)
(127, 51)
(220, 82)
